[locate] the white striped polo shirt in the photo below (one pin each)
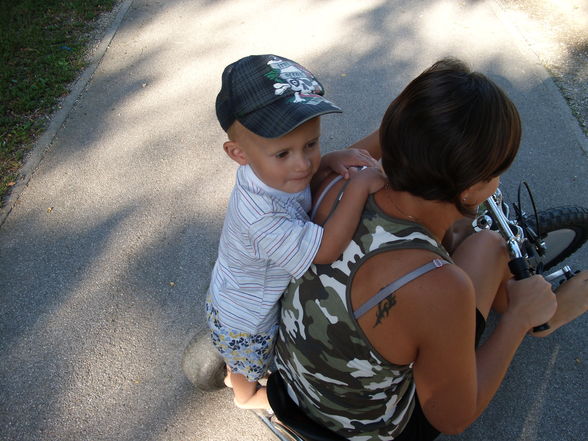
(267, 239)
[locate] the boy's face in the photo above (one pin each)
(287, 163)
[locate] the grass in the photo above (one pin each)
(41, 52)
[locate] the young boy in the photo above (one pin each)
(270, 108)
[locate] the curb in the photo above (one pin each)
(41, 146)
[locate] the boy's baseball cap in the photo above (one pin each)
(270, 95)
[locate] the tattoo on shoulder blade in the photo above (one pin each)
(384, 308)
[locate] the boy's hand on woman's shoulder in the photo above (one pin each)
(340, 161)
(372, 178)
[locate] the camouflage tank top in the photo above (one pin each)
(332, 371)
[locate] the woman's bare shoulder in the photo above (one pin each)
(386, 267)
(417, 310)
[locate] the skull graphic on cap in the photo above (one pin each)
(292, 76)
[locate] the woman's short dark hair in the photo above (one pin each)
(450, 128)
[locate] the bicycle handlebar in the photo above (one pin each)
(518, 265)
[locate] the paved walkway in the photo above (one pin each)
(106, 254)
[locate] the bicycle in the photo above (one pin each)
(536, 242)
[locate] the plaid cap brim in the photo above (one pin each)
(283, 115)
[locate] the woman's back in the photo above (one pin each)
(322, 348)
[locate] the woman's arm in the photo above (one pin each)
(454, 382)
(432, 324)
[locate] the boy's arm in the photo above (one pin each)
(340, 227)
(365, 152)
(339, 162)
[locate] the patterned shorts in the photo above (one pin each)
(246, 354)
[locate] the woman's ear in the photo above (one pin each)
(464, 197)
(235, 152)
(470, 196)
(480, 191)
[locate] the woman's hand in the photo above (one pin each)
(531, 301)
(572, 302)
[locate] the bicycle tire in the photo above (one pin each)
(563, 229)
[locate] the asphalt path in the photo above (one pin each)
(107, 247)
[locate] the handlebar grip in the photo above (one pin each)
(520, 270)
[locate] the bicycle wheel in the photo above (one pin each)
(563, 229)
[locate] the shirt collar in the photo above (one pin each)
(250, 179)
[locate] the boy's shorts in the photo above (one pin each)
(246, 354)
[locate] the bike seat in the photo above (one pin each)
(291, 416)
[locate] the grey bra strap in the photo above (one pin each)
(336, 203)
(397, 284)
(322, 196)
(324, 193)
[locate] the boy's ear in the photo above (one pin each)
(235, 152)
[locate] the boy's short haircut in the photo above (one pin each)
(270, 96)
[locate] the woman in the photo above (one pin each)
(381, 344)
